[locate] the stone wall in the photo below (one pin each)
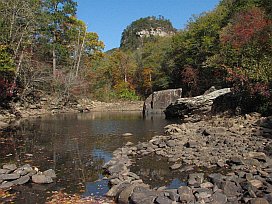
(159, 100)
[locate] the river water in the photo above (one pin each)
(76, 146)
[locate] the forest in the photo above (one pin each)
(46, 49)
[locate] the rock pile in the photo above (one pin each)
(10, 175)
(234, 144)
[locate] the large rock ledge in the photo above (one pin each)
(195, 105)
(237, 144)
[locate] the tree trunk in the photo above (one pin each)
(80, 51)
(54, 58)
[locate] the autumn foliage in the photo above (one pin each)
(244, 27)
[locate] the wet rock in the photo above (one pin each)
(41, 179)
(186, 194)
(21, 180)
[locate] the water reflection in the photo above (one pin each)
(76, 145)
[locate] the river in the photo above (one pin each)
(76, 146)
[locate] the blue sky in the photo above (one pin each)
(108, 18)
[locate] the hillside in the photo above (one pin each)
(144, 30)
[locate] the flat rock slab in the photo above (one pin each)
(11, 167)
(9, 176)
(41, 179)
(175, 166)
(22, 180)
(6, 185)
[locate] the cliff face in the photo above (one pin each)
(144, 30)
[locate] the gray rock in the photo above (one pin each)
(31, 173)
(124, 196)
(257, 155)
(217, 179)
(206, 185)
(163, 200)
(143, 195)
(39, 178)
(4, 171)
(117, 168)
(186, 194)
(50, 172)
(231, 189)
(9, 176)
(6, 185)
(218, 198)
(196, 179)
(21, 180)
(199, 104)
(256, 183)
(172, 194)
(159, 100)
(115, 181)
(11, 167)
(115, 190)
(175, 166)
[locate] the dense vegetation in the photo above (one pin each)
(45, 47)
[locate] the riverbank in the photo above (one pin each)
(48, 106)
(236, 151)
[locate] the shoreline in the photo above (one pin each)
(10, 117)
(238, 144)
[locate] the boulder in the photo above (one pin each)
(50, 172)
(40, 178)
(195, 105)
(186, 194)
(159, 100)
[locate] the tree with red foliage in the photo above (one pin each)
(245, 26)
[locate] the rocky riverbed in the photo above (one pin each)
(11, 175)
(240, 146)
